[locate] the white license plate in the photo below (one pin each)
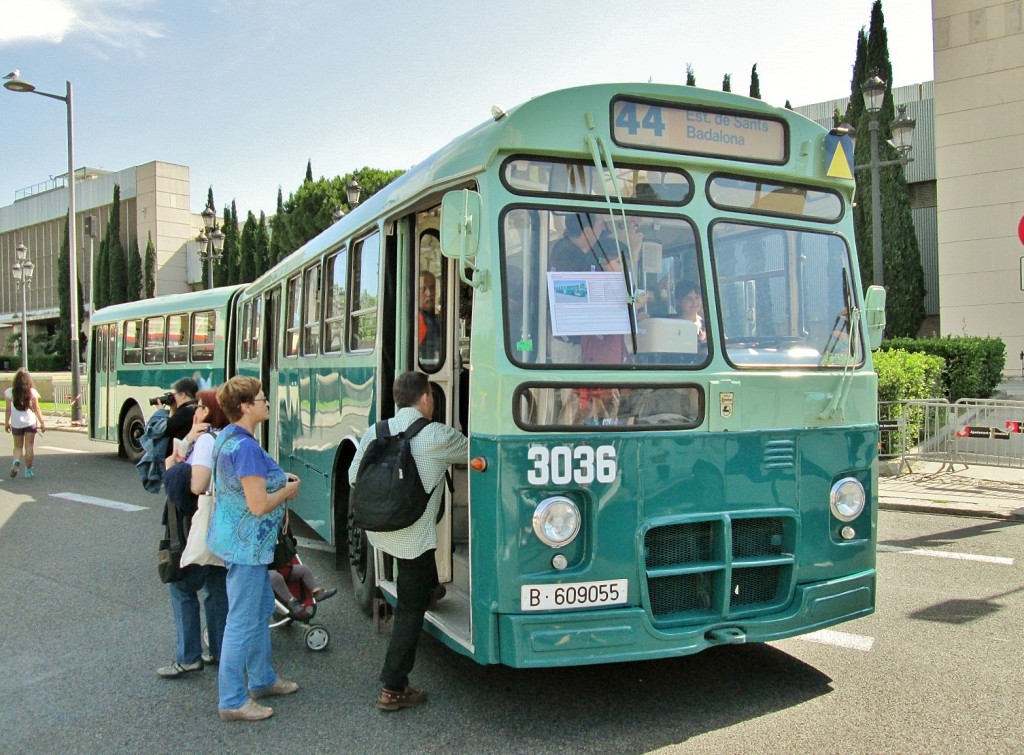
(573, 595)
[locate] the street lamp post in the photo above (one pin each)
(902, 132)
(22, 270)
(211, 243)
(15, 84)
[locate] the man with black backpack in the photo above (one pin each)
(434, 447)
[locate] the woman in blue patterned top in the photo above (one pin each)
(251, 489)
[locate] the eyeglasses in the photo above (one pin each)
(265, 400)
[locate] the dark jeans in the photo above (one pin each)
(417, 577)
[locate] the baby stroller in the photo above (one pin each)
(295, 592)
(302, 609)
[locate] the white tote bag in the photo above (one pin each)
(196, 550)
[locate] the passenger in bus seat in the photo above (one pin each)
(690, 306)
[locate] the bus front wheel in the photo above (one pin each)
(132, 427)
(360, 558)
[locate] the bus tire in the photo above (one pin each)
(133, 425)
(361, 566)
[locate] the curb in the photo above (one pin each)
(950, 510)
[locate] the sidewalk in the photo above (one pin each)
(994, 492)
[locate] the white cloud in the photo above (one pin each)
(99, 24)
(41, 20)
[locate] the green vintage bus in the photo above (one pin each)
(642, 304)
(137, 349)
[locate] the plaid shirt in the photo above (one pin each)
(434, 448)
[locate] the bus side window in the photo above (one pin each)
(154, 340)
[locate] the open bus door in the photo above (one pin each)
(442, 322)
(104, 360)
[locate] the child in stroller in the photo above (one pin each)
(295, 597)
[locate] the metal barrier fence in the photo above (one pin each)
(62, 396)
(984, 432)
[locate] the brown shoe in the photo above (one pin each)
(251, 711)
(280, 687)
(391, 700)
(436, 595)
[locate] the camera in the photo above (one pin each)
(166, 400)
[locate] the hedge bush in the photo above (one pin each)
(973, 366)
(902, 376)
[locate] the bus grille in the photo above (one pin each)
(721, 568)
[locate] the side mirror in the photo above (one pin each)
(874, 312)
(461, 214)
(460, 218)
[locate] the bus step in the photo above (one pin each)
(726, 636)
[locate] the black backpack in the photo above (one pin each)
(388, 494)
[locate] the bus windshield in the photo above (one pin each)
(784, 295)
(585, 290)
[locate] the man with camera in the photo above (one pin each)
(182, 402)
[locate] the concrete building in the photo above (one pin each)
(979, 162)
(154, 205)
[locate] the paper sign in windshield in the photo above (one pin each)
(587, 304)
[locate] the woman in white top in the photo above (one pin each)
(184, 594)
(22, 420)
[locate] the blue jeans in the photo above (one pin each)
(185, 604)
(246, 648)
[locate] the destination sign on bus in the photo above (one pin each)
(673, 128)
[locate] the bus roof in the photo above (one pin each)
(191, 301)
(552, 123)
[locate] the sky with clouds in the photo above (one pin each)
(244, 92)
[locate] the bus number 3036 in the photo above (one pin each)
(561, 465)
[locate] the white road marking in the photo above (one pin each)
(841, 639)
(64, 450)
(104, 502)
(947, 554)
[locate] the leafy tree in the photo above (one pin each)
(63, 340)
(134, 291)
(230, 262)
(262, 251)
(309, 171)
(278, 250)
(904, 275)
(727, 83)
(101, 279)
(150, 269)
(755, 83)
(691, 80)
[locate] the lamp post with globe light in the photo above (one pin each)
(22, 270)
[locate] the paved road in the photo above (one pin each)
(86, 623)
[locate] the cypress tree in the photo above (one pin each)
(247, 251)
(262, 253)
(230, 258)
(150, 269)
(904, 275)
(278, 233)
(134, 292)
(309, 171)
(691, 80)
(755, 83)
(727, 83)
(117, 269)
(101, 284)
(63, 340)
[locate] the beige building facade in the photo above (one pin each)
(155, 199)
(979, 161)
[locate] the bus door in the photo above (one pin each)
(441, 332)
(271, 341)
(104, 358)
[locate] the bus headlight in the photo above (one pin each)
(556, 521)
(847, 499)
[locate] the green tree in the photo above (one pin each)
(117, 268)
(150, 269)
(101, 279)
(278, 251)
(230, 262)
(134, 291)
(309, 171)
(904, 275)
(691, 80)
(63, 339)
(262, 251)
(727, 83)
(247, 262)
(755, 83)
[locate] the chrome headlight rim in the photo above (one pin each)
(543, 524)
(847, 499)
